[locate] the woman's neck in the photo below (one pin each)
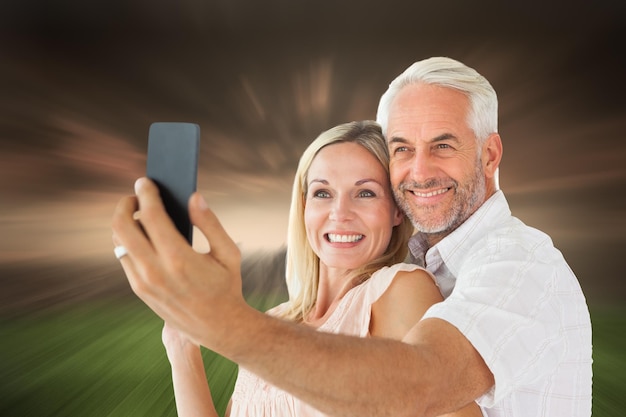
(333, 285)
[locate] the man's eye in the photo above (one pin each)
(400, 149)
(401, 153)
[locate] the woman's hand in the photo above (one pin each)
(176, 343)
(191, 388)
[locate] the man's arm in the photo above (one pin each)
(434, 370)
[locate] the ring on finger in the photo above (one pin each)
(120, 251)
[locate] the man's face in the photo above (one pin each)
(436, 169)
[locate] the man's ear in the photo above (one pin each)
(492, 155)
(398, 217)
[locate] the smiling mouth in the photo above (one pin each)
(431, 193)
(337, 238)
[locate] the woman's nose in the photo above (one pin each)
(341, 209)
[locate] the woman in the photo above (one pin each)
(346, 241)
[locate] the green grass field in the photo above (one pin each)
(107, 360)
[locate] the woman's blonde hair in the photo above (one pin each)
(302, 265)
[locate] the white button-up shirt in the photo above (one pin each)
(513, 296)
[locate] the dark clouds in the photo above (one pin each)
(80, 83)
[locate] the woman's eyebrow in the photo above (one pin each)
(321, 181)
(366, 180)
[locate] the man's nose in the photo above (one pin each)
(422, 166)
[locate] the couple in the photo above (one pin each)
(511, 338)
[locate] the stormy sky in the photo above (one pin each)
(80, 83)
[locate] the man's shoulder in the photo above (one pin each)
(493, 225)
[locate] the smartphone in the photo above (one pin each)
(172, 164)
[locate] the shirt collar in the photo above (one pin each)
(452, 249)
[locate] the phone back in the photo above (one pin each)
(173, 165)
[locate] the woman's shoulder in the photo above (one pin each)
(383, 278)
(278, 310)
(401, 266)
(409, 291)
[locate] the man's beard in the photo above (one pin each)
(467, 198)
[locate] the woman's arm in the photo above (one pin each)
(191, 389)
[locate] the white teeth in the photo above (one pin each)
(440, 191)
(335, 238)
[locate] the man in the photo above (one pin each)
(513, 333)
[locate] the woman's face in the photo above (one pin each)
(349, 209)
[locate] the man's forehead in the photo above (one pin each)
(426, 111)
(426, 96)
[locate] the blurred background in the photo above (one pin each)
(80, 83)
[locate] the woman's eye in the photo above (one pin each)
(321, 194)
(366, 193)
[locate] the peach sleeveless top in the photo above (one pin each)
(253, 397)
